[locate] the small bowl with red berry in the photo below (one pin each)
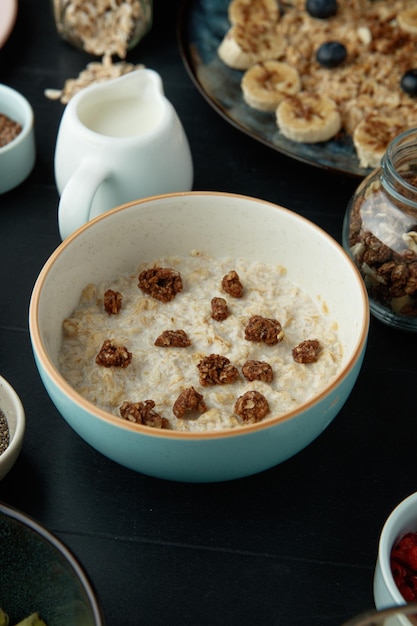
(395, 580)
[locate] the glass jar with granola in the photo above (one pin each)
(103, 27)
(380, 233)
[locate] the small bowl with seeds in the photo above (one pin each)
(12, 426)
(17, 138)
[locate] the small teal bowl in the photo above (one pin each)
(219, 224)
(38, 573)
(17, 158)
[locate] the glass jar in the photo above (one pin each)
(380, 233)
(103, 27)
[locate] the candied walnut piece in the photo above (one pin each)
(252, 407)
(112, 355)
(231, 284)
(112, 301)
(263, 329)
(257, 370)
(173, 339)
(162, 283)
(219, 309)
(143, 413)
(307, 351)
(189, 401)
(216, 370)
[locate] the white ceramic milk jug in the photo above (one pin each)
(118, 141)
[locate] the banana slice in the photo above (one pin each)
(243, 46)
(407, 20)
(266, 84)
(308, 117)
(263, 12)
(372, 136)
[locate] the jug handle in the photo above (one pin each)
(78, 194)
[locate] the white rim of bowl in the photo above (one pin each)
(17, 437)
(368, 618)
(31, 524)
(29, 114)
(385, 546)
(66, 388)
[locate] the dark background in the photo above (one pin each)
(294, 545)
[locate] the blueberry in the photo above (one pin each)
(321, 8)
(331, 54)
(409, 82)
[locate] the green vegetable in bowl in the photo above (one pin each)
(31, 620)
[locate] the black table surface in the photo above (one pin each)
(296, 544)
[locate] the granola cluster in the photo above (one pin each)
(161, 283)
(383, 243)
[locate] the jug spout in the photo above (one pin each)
(128, 106)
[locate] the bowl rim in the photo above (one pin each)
(16, 439)
(89, 407)
(385, 545)
(13, 95)
(363, 619)
(45, 534)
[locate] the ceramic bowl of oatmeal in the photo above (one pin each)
(17, 138)
(12, 427)
(196, 336)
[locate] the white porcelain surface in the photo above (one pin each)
(147, 154)
(402, 520)
(12, 408)
(391, 616)
(219, 224)
(8, 13)
(17, 158)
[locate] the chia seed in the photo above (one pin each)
(9, 129)
(4, 433)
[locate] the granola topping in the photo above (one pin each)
(173, 339)
(382, 238)
(188, 403)
(252, 407)
(380, 41)
(161, 283)
(143, 413)
(202, 387)
(112, 355)
(219, 309)
(112, 301)
(307, 351)
(268, 331)
(216, 370)
(258, 370)
(231, 284)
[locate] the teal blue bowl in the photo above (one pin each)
(218, 224)
(38, 573)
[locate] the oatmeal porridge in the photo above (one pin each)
(197, 343)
